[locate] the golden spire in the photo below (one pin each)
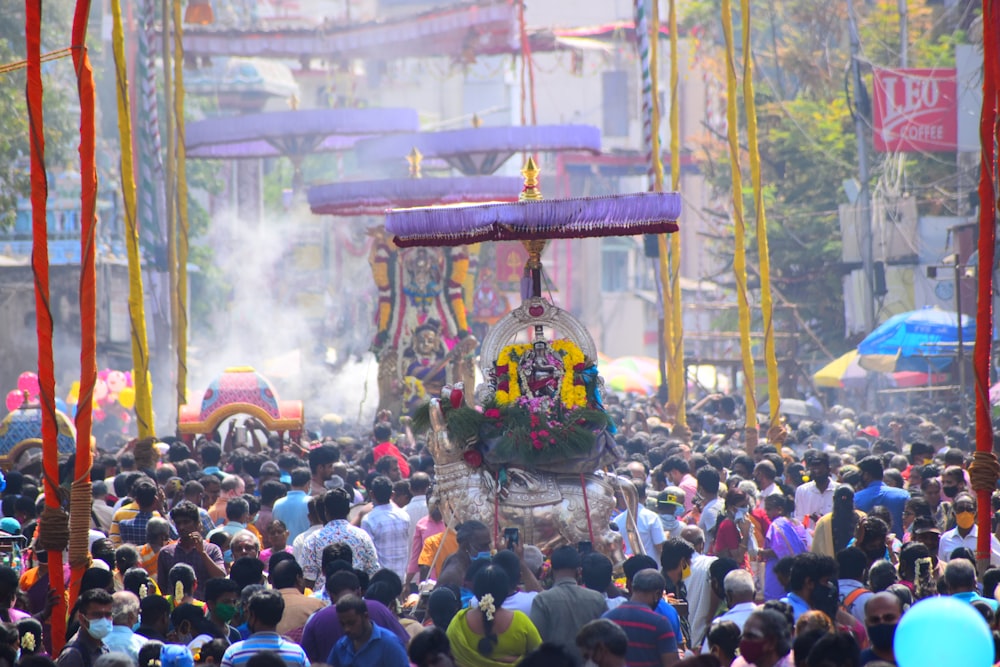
(530, 173)
(414, 159)
(293, 102)
(477, 122)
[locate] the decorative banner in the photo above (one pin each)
(511, 257)
(915, 110)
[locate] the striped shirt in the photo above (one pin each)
(650, 635)
(239, 653)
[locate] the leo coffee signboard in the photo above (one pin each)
(915, 110)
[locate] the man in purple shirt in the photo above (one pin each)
(204, 557)
(323, 628)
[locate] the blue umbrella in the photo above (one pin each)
(917, 337)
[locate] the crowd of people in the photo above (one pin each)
(808, 554)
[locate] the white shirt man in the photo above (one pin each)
(809, 500)
(952, 540)
(650, 532)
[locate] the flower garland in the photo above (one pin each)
(572, 391)
(487, 606)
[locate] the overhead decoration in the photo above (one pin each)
(524, 452)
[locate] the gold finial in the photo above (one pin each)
(414, 159)
(530, 173)
(477, 122)
(293, 102)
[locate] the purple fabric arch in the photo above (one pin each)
(481, 150)
(615, 215)
(292, 133)
(376, 197)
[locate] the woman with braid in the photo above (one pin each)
(488, 635)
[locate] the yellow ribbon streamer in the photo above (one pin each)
(182, 209)
(136, 307)
(678, 376)
(668, 311)
(766, 302)
(739, 224)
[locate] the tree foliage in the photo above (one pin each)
(15, 149)
(806, 131)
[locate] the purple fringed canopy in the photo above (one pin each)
(481, 150)
(376, 197)
(615, 215)
(292, 133)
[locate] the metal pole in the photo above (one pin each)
(961, 343)
(904, 33)
(864, 197)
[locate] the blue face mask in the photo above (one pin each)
(482, 555)
(227, 555)
(741, 513)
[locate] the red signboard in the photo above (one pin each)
(916, 110)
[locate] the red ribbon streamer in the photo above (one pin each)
(88, 277)
(43, 313)
(987, 239)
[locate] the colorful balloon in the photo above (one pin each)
(116, 381)
(28, 382)
(918, 641)
(127, 398)
(14, 400)
(100, 390)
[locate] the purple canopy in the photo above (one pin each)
(482, 150)
(616, 215)
(292, 133)
(376, 197)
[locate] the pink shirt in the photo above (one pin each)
(265, 555)
(426, 527)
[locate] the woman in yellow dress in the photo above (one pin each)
(488, 635)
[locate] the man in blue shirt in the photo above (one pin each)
(960, 575)
(293, 509)
(812, 585)
(364, 644)
(874, 492)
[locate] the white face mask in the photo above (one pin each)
(589, 663)
(99, 628)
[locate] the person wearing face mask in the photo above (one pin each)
(675, 563)
(94, 615)
(784, 538)
(651, 639)
(732, 535)
(810, 585)
(766, 641)
(602, 644)
(882, 613)
(965, 533)
(221, 598)
(124, 615)
(952, 482)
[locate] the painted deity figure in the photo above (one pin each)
(427, 357)
(540, 371)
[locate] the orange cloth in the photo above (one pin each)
(149, 560)
(449, 547)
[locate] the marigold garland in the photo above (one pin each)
(572, 391)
